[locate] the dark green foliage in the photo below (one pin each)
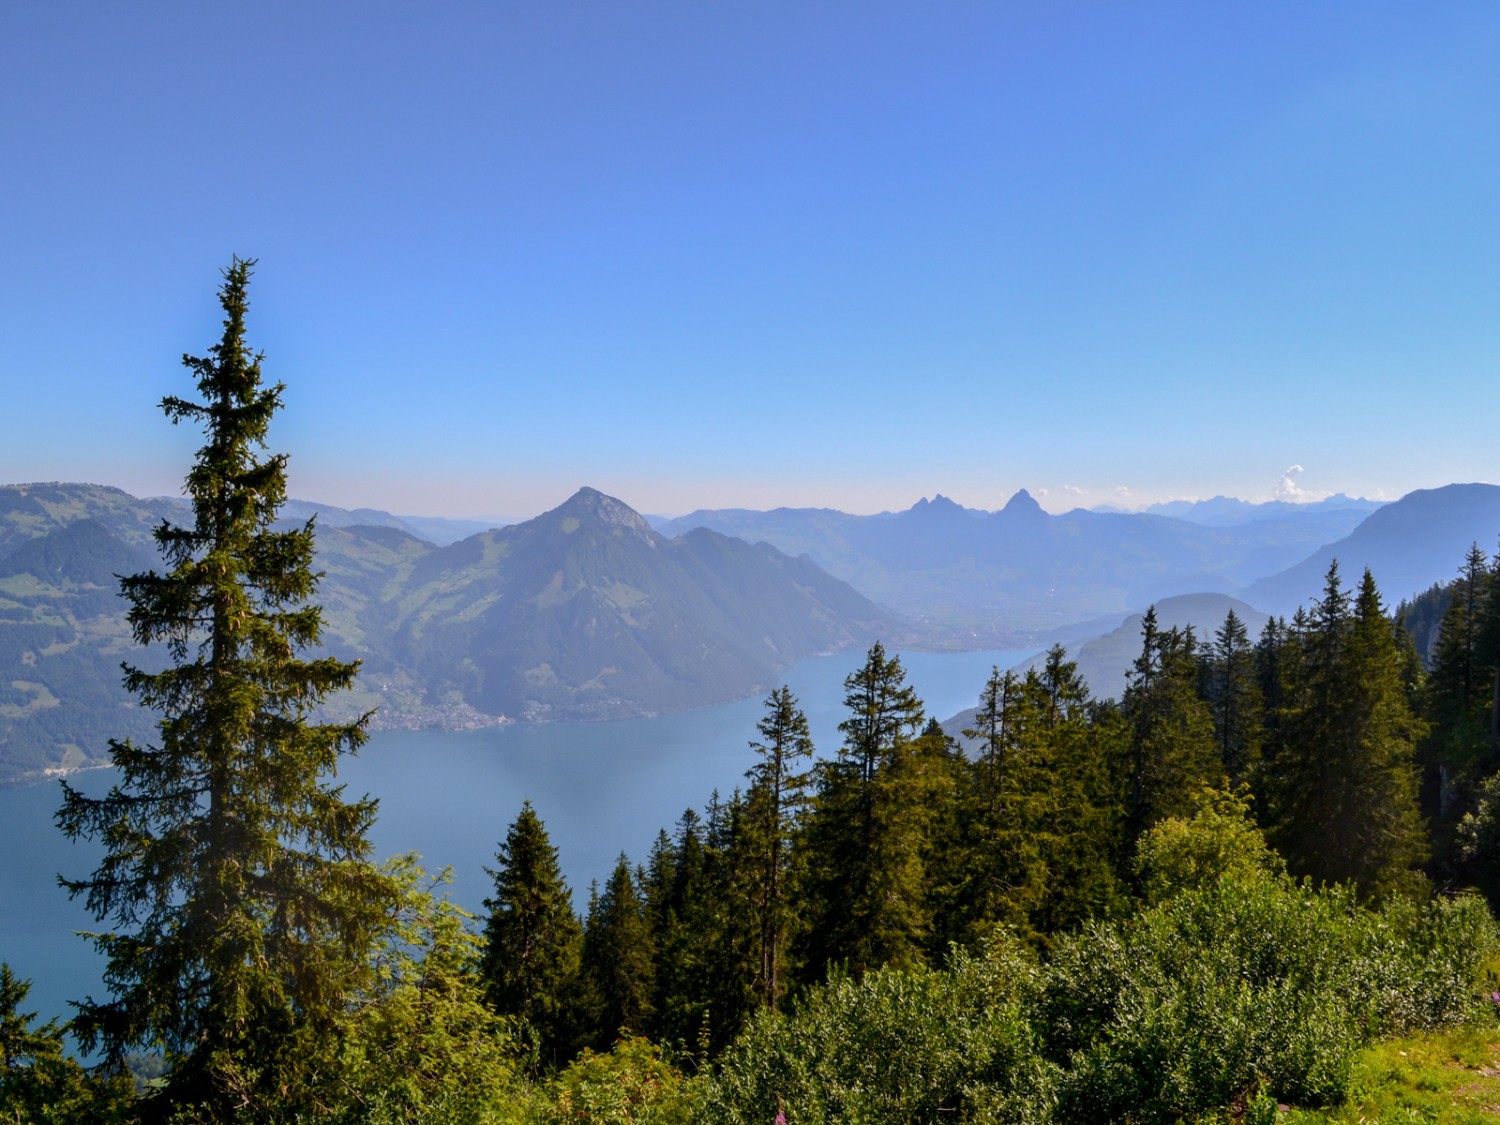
(237, 880)
(1477, 842)
(868, 832)
(679, 913)
(1343, 782)
(418, 1043)
(532, 938)
(1234, 699)
(39, 1083)
(1171, 751)
(1459, 702)
(895, 1046)
(617, 959)
(995, 875)
(774, 805)
(1422, 617)
(1036, 826)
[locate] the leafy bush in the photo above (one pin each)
(1420, 961)
(1208, 997)
(895, 1046)
(423, 1046)
(1220, 842)
(1239, 981)
(634, 1084)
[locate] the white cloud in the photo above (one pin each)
(1289, 490)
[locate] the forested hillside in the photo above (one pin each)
(583, 612)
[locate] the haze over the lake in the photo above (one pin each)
(844, 254)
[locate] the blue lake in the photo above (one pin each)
(601, 788)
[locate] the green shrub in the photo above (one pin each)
(633, 1084)
(1207, 998)
(422, 1045)
(1253, 985)
(894, 1047)
(1422, 961)
(1220, 841)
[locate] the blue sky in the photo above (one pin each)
(711, 255)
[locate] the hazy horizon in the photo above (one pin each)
(1054, 503)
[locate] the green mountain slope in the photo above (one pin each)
(62, 627)
(584, 612)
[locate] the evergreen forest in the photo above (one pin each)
(1199, 902)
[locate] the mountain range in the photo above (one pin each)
(590, 612)
(1005, 577)
(583, 612)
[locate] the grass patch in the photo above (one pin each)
(41, 700)
(1441, 1078)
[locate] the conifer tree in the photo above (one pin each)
(1343, 785)
(236, 876)
(533, 938)
(40, 1084)
(1390, 842)
(867, 832)
(724, 920)
(1171, 732)
(1234, 698)
(999, 874)
(679, 916)
(1457, 698)
(1081, 744)
(617, 957)
(1040, 822)
(778, 794)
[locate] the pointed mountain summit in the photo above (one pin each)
(591, 504)
(1022, 506)
(585, 612)
(938, 503)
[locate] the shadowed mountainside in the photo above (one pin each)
(583, 612)
(1407, 545)
(1019, 573)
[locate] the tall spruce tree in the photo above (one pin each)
(236, 876)
(866, 835)
(1234, 698)
(1343, 788)
(40, 1084)
(778, 794)
(1457, 699)
(617, 958)
(533, 938)
(1171, 732)
(997, 874)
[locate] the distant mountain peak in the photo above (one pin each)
(938, 503)
(590, 503)
(1022, 503)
